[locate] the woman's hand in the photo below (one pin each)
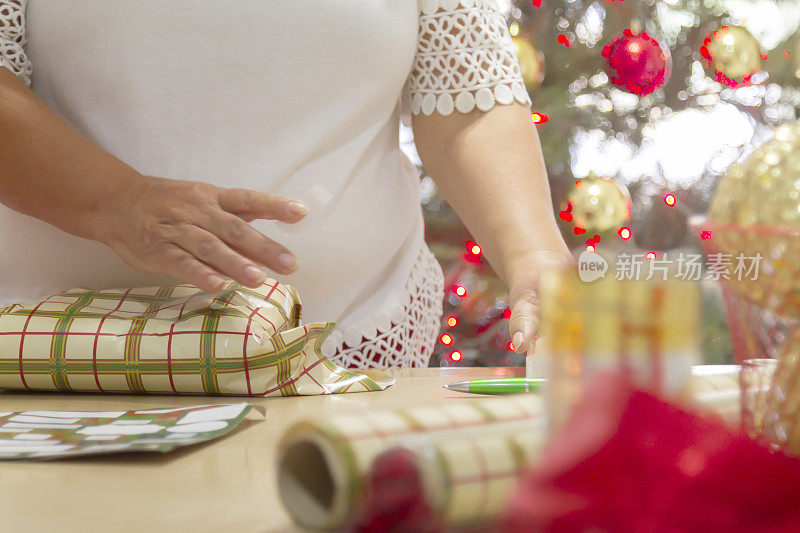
(523, 300)
(196, 232)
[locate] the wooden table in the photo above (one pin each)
(228, 484)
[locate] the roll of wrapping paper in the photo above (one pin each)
(716, 389)
(648, 327)
(468, 454)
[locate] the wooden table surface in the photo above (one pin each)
(227, 484)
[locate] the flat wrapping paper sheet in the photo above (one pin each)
(173, 340)
(469, 453)
(60, 434)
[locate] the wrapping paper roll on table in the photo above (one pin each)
(468, 453)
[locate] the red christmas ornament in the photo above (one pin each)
(637, 62)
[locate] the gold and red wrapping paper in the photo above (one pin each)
(172, 340)
(647, 327)
(469, 454)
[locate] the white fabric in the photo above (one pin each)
(296, 98)
(407, 335)
(12, 39)
(465, 59)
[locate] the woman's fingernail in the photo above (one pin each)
(254, 275)
(296, 208)
(287, 261)
(517, 340)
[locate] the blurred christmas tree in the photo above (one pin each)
(641, 106)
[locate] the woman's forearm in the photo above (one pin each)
(489, 167)
(47, 170)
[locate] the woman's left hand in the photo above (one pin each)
(523, 299)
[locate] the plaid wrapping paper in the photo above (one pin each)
(469, 453)
(473, 452)
(174, 340)
(717, 389)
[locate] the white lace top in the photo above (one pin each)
(299, 98)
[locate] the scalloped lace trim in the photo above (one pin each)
(403, 337)
(465, 59)
(12, 39)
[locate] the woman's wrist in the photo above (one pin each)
(95, 220)
(535, 259)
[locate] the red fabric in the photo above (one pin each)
(627, 461)
(395, 497)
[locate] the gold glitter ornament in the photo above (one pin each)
(755, 214)
(732, 54)
(765, 188)
(598, 204)
(531, 62)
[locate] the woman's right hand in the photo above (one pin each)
(196, 232)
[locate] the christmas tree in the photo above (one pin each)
(641, 107)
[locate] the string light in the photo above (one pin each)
(624, 233)
(705, 234)
(456, 355)
(539, 117)
(566, 214)
(473, 248)
(507, 313)
(513, 29)
(459, 290)
(669, 199)
(447, 340)
(452, 321)
(510, 346)
(650, 255)
(563, 39)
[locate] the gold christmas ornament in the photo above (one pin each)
(598, 204)
(756, 213)
(755, 220)
(763, 190)
(531, 62)
(732, 54)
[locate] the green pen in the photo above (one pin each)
(496, 386)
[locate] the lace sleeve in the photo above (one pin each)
(465, 59)
(12, 39)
